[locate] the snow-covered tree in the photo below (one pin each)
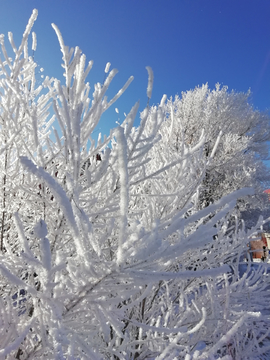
(243, 133)
(99, 259)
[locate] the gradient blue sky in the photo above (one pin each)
(186, 42)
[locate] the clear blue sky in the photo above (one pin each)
(186, 42)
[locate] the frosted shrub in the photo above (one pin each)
(104, 254)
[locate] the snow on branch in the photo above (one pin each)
(150, 82)
(55, 188)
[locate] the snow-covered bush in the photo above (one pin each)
(104, 254)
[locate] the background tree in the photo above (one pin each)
(243, 132)
(96, 263)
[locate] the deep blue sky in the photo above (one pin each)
(186, 42)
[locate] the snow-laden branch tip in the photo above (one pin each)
(150, 82)
(107, 67)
